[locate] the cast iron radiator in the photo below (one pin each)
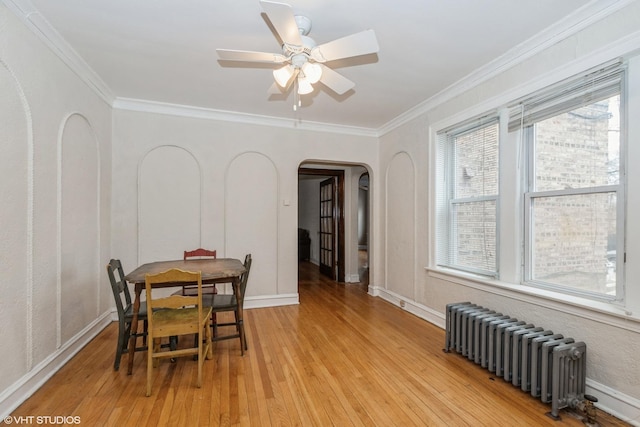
(547, 365)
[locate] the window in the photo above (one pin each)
(574, 198)
(557, 181)
(468, 204)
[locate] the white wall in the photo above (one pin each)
(55, 178)
(176, 181)
(248, 178)
(612, 333)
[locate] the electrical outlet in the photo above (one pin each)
(402, 303)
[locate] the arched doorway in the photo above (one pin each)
(363, 228)
(348, 213)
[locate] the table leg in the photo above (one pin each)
(134, 328)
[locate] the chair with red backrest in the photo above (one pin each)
(199, 253)
(191, 290)
(206, 288)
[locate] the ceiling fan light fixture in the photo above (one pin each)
(312, 72)
(304, 86)
(302, 61)
(283, 75)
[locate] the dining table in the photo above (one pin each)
(213, 270)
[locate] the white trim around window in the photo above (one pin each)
(617, 313)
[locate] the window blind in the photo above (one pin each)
(467, 195)
(596, 84)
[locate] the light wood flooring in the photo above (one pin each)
(340, 358)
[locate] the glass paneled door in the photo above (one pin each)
(327, 227)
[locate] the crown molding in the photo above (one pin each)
(145, 106)
(32, 18)
(587, 15)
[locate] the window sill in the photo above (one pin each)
(599, 311)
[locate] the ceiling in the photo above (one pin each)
(164, 50)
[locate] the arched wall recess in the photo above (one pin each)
(251, 218)
(400, 223)
(169, 203)
(78, 293)
(16, 233)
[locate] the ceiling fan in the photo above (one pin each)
(303, 62)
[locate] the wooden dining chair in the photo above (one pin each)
(124, 308)
(176, 315)
(199, 253)
(223, 302)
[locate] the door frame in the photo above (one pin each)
(338, 216)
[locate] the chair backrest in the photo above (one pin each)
(199, 253)
(119, 286)
(245, 276)
(177, 277)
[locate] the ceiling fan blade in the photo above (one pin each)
(275, 89)
(356, 44)
(335, 81)
(249, 56)
(283, 20)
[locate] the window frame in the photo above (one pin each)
(510, 284)
(445, 255)
(530, 194)
(513, 251)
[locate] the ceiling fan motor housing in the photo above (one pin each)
(303, 23)
(299, 55)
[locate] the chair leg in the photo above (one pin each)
(240, 330)
(243, 343)
(123, 340)
(209, 341)
(204, 350)
(173, 345)
(144, 337)
(200, 357)
(199, 382)
(244, 336)
(150, 362)
(156, 349)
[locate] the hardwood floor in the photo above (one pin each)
(339, 358)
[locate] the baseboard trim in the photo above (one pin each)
(615, 403)
(352, 278)
(412, 307)
(611, 401)
(29, 383)
(271, 300)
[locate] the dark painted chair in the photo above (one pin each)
(124, 307)
(224, 303)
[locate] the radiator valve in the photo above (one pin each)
(587, 406)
